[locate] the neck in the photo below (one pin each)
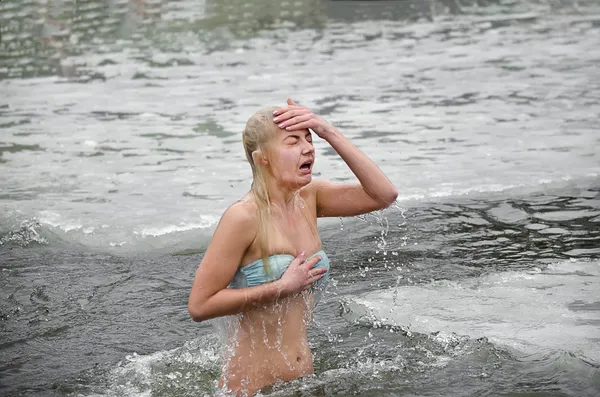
(281, 197)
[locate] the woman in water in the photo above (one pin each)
(265, 259)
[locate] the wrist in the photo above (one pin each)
(280, 289)
(331, 133)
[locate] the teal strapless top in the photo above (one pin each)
(253, 273)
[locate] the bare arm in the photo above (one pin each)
(210, 297)
(375, 190)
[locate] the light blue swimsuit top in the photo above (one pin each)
(253, 273)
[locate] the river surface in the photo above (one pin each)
(120, 148)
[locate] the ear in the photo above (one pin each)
(259, 159)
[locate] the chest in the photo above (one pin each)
(293, 233)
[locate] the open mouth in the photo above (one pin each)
(306, 165)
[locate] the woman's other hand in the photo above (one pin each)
(300, 275)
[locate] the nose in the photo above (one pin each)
(308, 148)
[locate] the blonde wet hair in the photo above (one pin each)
(258, 137)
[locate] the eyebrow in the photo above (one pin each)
(295, 136)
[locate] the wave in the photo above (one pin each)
(186, 231)
(370, 358)
(25, 234)
(194, 368)
(48, 228)
(557, 185)
(181, 371)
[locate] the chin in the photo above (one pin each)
(306, 177)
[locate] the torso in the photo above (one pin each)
(291, 235)
(270, 344)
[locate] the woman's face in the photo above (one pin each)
(293, 158)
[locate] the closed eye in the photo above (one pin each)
(292, 139)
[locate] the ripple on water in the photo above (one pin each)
(563, 216)
(554, 230)
(536, 226)
(507, 213)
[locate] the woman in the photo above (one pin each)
(265, 257)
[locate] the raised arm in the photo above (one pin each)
(210, 297)
(375, 190)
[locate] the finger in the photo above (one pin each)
(289, 114)
(315, 277)
(320, 275)
(317, 272)
(301, 126)
(295, 120)
(290, 101)
(299, 259)
(284, 109)
(312, 262)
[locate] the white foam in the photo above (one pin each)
(66, 225)
(475, 187)
(53, 219)
(183, 367)
(532, 311)
(205, 222)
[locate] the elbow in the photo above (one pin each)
(388, 198)
(196, 313)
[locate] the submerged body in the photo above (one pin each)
(268, 345)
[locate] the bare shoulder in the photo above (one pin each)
(317, 183)
(313, 187)
(242, 214)
(311, 191)
(235, 233)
